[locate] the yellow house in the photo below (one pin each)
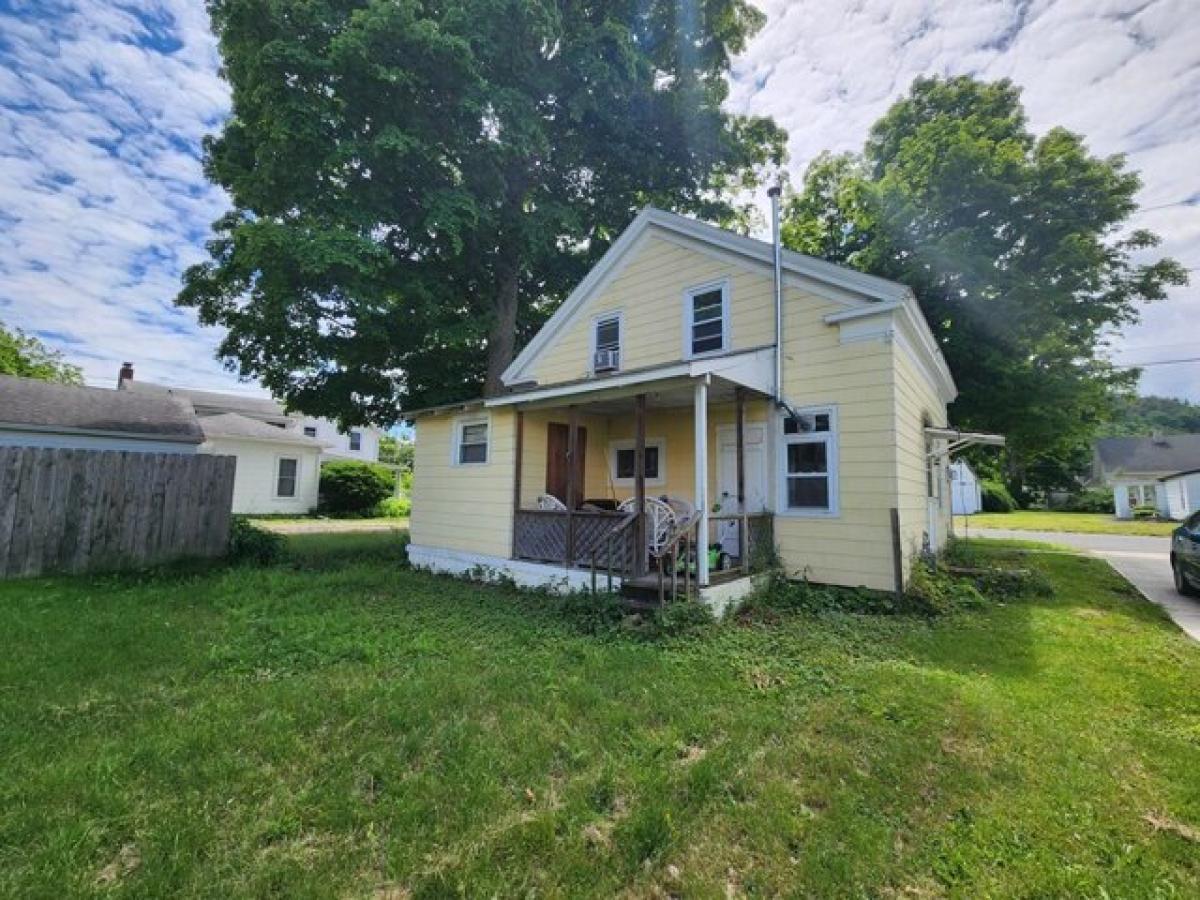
(722, 392)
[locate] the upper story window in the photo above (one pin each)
(706, 311)
(808, 462)
(471, 441)
(310, 431)
(356, 440)
(285, 476)
(606, 343)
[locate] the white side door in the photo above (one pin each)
(755, 450)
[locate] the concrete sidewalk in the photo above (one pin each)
(1145, 561)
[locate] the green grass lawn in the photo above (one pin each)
(342, 727)
(1041, 520)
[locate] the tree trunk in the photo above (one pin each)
(502, 336)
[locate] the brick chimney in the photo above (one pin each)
(125, 375)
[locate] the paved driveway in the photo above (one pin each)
(1145, 561)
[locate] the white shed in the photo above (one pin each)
(1180, 494)
(965, 496)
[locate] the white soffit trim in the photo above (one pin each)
(807, 267)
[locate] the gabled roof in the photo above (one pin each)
(858, 289)
(29, 404)
(1164, 455)
(243, 404)
(234, 425)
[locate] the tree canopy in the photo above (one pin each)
(1146, 415)
(27, 357)
(417, 185)
(1017, 249)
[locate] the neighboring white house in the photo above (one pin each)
(1181, 494)
(278, 469)
(966, 498)
(1134, 466)
(357, 443)
(44, 414)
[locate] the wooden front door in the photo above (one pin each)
(556, 461)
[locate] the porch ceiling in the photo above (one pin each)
(671, 394)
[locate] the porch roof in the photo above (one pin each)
(751, 369)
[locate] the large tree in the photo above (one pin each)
(27, 357)
(416, 184)
(1016, 247)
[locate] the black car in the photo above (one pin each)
(1185, 556)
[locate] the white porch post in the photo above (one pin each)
(700, 416)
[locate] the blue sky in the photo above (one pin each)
(103, 106)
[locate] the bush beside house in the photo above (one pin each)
(996, 497)
(350, 487)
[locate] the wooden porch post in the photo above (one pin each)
(700, 416)
(572, 487)
(639, 484)
(518, 451)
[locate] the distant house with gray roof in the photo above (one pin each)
(37, 413)
(1136, 468)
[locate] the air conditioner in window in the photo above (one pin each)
(606, 361)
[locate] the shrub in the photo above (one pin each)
(996, 497)
(394, 508)
(250, 544)
(933, 591)
(355, 488)
(1091, 500)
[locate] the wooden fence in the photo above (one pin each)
(88, 510)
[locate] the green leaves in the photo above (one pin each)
(26, 357)
(1015, 248)
(417, 185)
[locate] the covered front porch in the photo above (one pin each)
(662, 487)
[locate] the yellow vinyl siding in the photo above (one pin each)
(533, 454)
(916, 399)
(854, 547)
(648, 292)
(466, 508)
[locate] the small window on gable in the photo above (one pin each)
(310, 431)
(606, 352)
(471, 442)
(356, 440)
(707, 320)
(285, 478)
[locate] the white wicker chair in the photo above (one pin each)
(550, 503)
(683, 509)
(660, 522)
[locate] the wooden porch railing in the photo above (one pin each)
(679, 551)
(547, 535)
(756, 539)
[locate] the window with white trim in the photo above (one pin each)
(808, 458)
(707, 316)
(287, 469)
(356, 440)
(606, 343)
(310, 431)
(471, 439)
(622, 460)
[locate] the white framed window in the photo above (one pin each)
(287, 472)
(310, 431)
(607, 332)
(622, 462)
(472, 441)
(356, 441)
(706, 319)
(808, 462)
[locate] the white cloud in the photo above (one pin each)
(103, 104)
(1124, 73)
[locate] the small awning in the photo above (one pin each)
(957, 440)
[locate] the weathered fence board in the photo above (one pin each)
(85, 510)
